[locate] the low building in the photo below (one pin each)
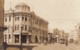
(51, 38)
(60, 35)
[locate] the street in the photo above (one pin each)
(57, 46)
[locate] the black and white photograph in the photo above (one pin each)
(39, 24)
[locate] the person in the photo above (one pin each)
(45, 41)
(4, 45)
(66, 42)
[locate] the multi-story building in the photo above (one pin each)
(21, 20)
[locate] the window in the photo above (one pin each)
(25, 18)
(16, 38)
(9, 18)
(25, 27)
(15, 27)
(30, 30)
(9, 36)
(22, 18)
(5, 19)
(5, 36)
(16, 18)
(22, 28)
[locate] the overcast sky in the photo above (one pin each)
(62, 14)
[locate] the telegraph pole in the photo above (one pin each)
(21, 39)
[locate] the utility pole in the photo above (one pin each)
(21, 39)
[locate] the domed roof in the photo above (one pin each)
(22, 4)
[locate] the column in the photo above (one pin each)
(19, 39)
(13, 39)
(7, 38)
(33, 39)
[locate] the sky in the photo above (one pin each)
(61, 14)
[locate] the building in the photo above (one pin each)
(56, 33)
(61, 35)
(21, 20)
(76, 33)
(73, 36)
(51, 38)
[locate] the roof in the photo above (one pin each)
(21, 4)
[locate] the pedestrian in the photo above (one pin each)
(45, 41)
(66, 42)
(4, 45)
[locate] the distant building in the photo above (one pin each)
(56, 33)
(34, 29)
(51, 38)
(76, 33)
(60, 35)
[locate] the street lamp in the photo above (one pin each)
(12, 33)
(21, 38)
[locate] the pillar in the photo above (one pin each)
(19, 39)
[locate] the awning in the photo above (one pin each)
(26, 34)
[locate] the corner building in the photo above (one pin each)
(21, 20)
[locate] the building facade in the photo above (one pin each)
(61, 35)
(76, 33)
(21, 20)
(51, 38)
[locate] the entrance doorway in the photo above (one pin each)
(16, 38)
(24, 39)
(36, 39)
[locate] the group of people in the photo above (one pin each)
(54, 40)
